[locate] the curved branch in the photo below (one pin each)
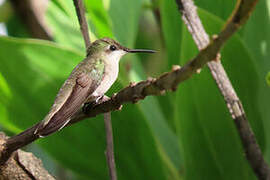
(22, 165)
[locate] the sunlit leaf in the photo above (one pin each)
(125, 18)
(65, 30)
(268, 78)
(99, 17)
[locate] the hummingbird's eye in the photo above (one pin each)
(112, 47)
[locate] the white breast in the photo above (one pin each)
(111, 72)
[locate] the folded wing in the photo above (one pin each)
(83, 88)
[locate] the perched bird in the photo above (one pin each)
(88, 81)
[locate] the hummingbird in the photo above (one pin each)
(88, 82)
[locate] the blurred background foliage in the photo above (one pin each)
(187, 134)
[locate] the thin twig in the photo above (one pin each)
(107, 116)
(242, 12)
(109, 149)
(82, 20)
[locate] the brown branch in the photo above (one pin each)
(23, 165)
(82, 21)
(109, 150)
(240, 15)
(15, 142)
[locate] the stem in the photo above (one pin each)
(82, 20)
(109, 150)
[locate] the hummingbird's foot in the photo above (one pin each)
(87, 106)
(99, 99)
(120, 107)
(91, 104)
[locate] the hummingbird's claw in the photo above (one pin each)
(93, 103)
(87, 106)
(119, 108)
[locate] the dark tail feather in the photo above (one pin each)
(51, 127)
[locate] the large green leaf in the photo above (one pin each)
(99, 17)
(65, 29)
(171, 27)
(268, 78)
(125, 17)
(21, 70)
(165, 137)
(220, 8)
(67, 6)
(6, 11)
(210, 142)
(31, 73)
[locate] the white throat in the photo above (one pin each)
(111, 71)
(115, 56)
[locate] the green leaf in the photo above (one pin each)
(6, 96)
(125, 20)
(171, 28)
(65, 29)
(16, 28)
(138, 153)
(19, 56)
(268, 78)
(165, 137)
(220, 8)
(205, 127)
(67, 7)
(99, 17)
(5, 11)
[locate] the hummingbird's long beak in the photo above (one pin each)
(140, 51)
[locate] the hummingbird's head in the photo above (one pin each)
(112, 49)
